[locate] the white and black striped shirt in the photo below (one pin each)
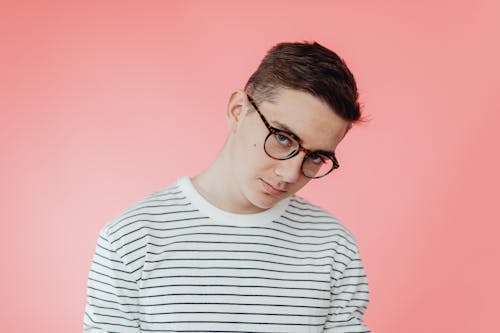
(175, 263)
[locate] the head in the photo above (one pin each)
(311, 68)
(301, 88)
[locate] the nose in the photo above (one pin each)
(290, 170)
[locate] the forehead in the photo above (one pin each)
(308, 117)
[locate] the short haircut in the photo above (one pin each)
(308, 67)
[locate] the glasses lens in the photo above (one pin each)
(317, 165)
(280, 145)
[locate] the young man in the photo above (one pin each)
(233, 249)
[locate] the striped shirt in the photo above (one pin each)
(175, 263)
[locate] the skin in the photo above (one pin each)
(243, 179)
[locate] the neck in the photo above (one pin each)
(216, 185)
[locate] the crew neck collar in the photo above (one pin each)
(224, 217)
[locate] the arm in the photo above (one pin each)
(112, 293)
(349, 299)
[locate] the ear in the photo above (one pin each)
(348, 127)
(237, 107)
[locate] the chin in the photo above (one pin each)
(261, 200)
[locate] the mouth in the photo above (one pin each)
(271, 190)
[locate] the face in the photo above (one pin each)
(259, 181)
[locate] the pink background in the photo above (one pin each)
(103, 102)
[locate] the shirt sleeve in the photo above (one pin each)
(349, 300)
(112, 293)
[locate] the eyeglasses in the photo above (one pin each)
(283, 145)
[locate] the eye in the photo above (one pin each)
(283, 139)
(317, 159)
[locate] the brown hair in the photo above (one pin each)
(308, 67)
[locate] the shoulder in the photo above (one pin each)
(151, 204)
(302, 212)
(130, 231)
(130, 235)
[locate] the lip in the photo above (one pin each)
(271, 190)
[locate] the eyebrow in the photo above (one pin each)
(280, 126)
(285, 128)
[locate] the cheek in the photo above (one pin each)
(258, 164)
(258, 160)
(252, 159)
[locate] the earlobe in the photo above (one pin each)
(233, 117)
